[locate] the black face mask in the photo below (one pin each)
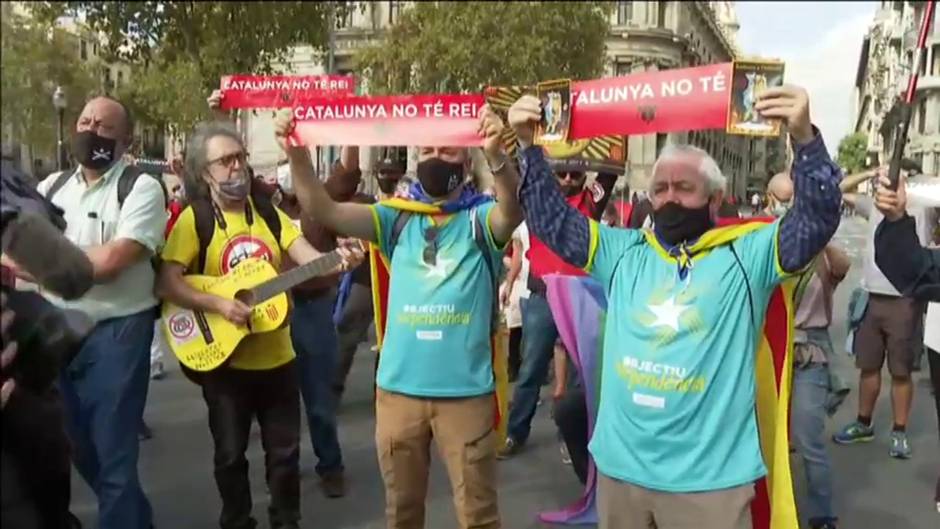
(93, 151)
(675, 223)
(387, 185)
(439, 178)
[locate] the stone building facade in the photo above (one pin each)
(881, 79)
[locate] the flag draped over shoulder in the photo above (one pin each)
(380, 267)
(579, 308)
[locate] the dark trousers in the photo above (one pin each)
(104, 390)
(515, 352)
(571, 417)
(36, 467)
(234, 398)
(933, 357)
(314, 338)
(352, 330)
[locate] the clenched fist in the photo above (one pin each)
(523, 116)
(790, 104)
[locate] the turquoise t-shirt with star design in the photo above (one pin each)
(677, 400)
(437, 336)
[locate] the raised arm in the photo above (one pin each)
(807, 228)
(556, 223)
(848, 187)
(354, 220)
(507, 214)
(913, 270)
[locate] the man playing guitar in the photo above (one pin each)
(259, 378)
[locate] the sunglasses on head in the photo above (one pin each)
(430, 246)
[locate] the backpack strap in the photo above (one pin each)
(267, 212)
(397, 227)
(59, 181)
(204, 218)
(479, 236)
(129, 177)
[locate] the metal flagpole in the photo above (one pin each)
(906, 107)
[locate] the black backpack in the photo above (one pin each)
(205, 220)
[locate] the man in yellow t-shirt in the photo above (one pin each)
(260, 379)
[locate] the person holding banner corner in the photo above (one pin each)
(676, 441)
(435, 376)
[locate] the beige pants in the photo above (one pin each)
(463, 430)
(624, 506)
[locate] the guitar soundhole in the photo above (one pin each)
(246, 296)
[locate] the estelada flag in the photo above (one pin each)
(578, 302)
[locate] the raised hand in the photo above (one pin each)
(523, 116)
(790, 104)
(891, 203)
(490, 129)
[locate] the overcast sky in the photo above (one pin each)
(820, 43)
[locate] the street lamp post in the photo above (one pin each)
(59, 103)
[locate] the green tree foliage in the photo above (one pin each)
(852, 152)
(181, 49)
(35, 58)
(466, 46)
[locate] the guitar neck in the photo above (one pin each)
(288, 280)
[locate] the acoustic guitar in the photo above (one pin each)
(203, 341)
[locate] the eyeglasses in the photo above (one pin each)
(228, 161)
(430, 249)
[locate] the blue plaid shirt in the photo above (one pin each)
(804, 231)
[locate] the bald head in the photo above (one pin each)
(107, 117)
(781, 187)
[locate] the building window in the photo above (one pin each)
(935, 68)
(624, 13)
(922, 116)
(663, 11)
(394, 10)
(624, 68)
(83, 50)
(343, 19)
(120, 78)
(661, 140)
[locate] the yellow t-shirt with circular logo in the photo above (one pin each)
(237, 242)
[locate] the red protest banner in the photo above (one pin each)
(279, 91)
(670, 100)
(666, 101)
(429, 120)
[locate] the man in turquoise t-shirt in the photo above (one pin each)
(435, 374)
(676, 441)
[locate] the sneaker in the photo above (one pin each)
(333, 484)
(156, 371)
(509, 449)
(900, 446)
(855, 432)
(565, 456)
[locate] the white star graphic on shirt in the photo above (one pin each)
(439, 269)
(668, 313)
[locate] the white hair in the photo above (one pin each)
(708, 167)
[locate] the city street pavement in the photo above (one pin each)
(873, 491)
